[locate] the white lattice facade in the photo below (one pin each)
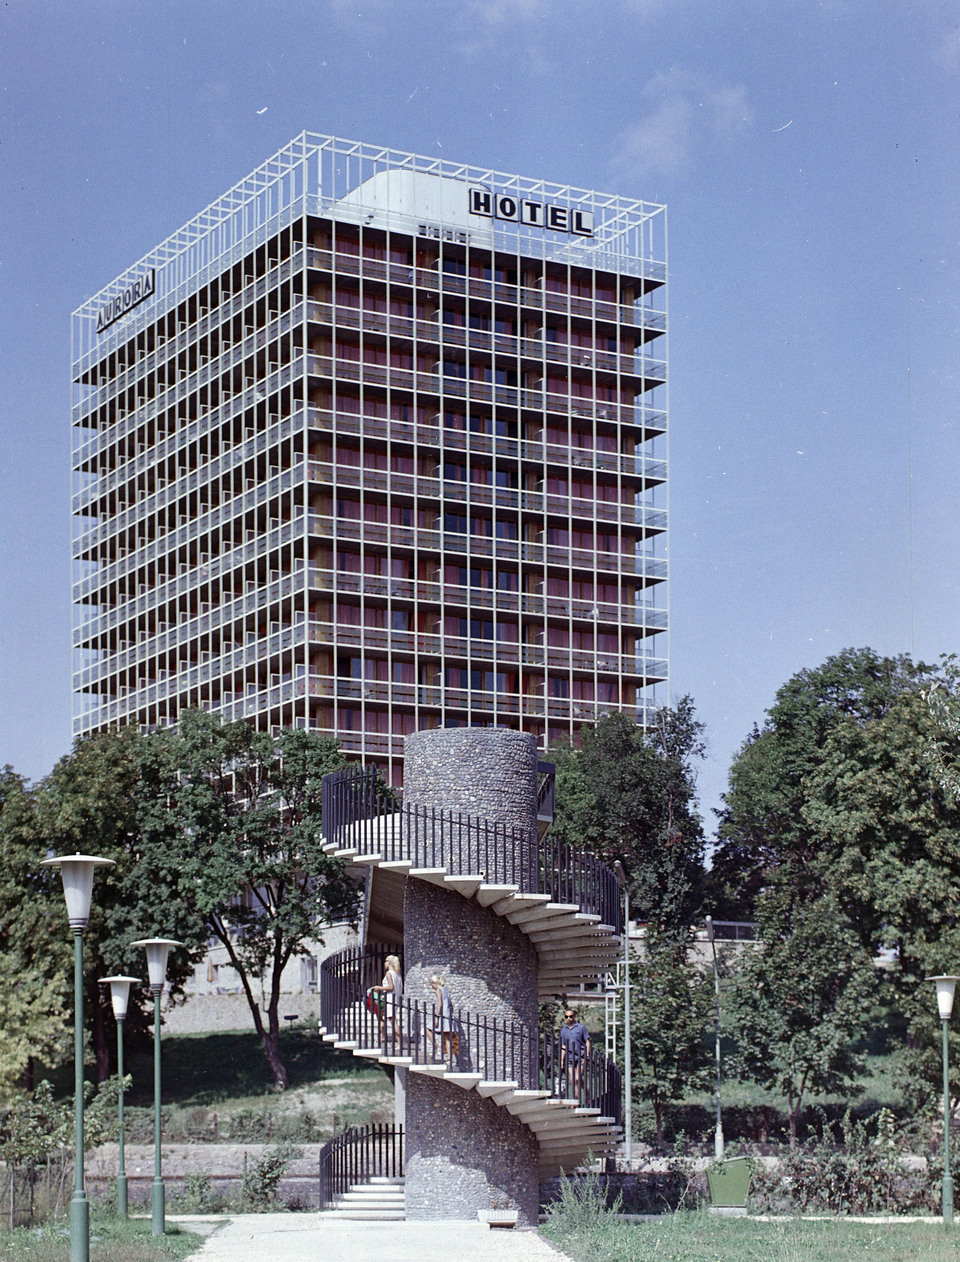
(358, 450)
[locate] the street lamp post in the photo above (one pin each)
(946, 985)
(119, 997)
(157, 950)
(627, 1066)
(76, 872)
(718, 1135)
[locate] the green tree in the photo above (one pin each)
(230, 822)
(670, 1005)
(764, 829)
(799, 1001)
(89, 804)
(33, 1022)
(943, 749)
(888, 836)
(631, 795)
(889, 849)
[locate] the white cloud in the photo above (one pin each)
(482, 23)
(685, 109)
(496, 13)
(659, 142)
(946, 53)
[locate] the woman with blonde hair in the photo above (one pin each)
(392, 988)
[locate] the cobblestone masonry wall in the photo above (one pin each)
(468, 1155)
(464, 1153)
(485, 771)
(490, 967)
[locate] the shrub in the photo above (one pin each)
(261, 1180)
(880, 1166)
(199, 1194)
(583, 1203)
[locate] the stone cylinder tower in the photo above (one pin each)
(466, 884)
(463, 1152)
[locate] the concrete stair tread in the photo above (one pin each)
(465, 1080)
(519, 903)
(487, 895)
(489, 1087)
(435, 876)
(466, 885)
(367, 1215)
(372, 1195)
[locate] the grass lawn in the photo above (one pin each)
(112, 1239)
(225, 1076)
(217, 1088)
(701, 1237)
(209, 1069)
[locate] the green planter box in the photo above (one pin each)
(730, 1183)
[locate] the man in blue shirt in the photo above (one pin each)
(574, 1051)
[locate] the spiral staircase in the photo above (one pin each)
(564, 902)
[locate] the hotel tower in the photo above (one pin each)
(376, 443)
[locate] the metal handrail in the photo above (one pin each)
(358, 817)
(496, 1049)
(359, 1155)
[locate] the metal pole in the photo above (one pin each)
(121, 1173)
(718, 1136)
(627, 1067)
(79, 1205)
(159, 1227)
(947, 1177)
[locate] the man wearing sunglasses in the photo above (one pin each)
(574, 1050)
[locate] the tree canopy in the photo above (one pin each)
(630, 795)
(230, 832)
(799, 1001)
(765, 830)
(215, 833)
(671, 1001)
(843, 801)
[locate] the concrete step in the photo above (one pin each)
(380, 1200)
(367, 1215)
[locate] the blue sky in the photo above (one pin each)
(808, 154)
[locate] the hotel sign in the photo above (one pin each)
(535, 214)
(131, 297)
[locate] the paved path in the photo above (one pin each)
(311, 1238)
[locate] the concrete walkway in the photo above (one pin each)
(315, 1238)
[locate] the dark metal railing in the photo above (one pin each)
(498, 1050)
(357, 816)
(359, 1156)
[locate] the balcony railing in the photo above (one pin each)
(429, 434)
(357, 816)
